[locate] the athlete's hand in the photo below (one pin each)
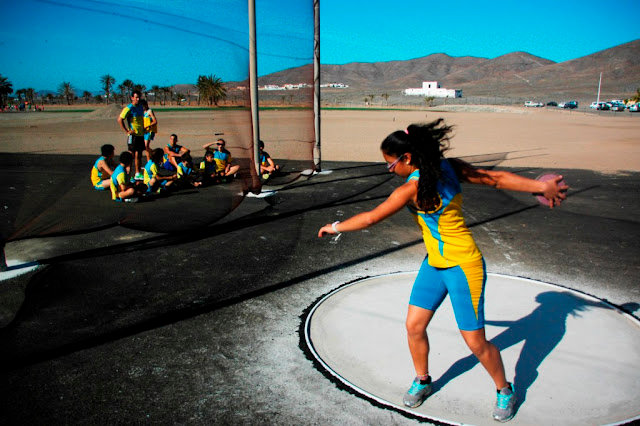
(555, 191)
(326, 230)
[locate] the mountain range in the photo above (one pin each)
(517, 74)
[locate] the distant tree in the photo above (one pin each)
(128, 86)
(6, 88)
(366, 100)
(636, 97)
(166, 93)
(122, 89)
(20, 93)
(371, 97)
(107, 83)
(49, 98)
(30, 94)
(65, 90)
(86, 96)
(428, 100)
(385, 96)
(211, 88)
(98, 99)
(155, 89)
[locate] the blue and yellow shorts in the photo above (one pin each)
(99, 187)
(465, 285)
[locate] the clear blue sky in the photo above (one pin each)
(46, 42)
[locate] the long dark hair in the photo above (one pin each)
(427, 143)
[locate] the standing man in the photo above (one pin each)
(134, 116)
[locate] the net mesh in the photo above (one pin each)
(48, 156)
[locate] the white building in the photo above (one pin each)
(432, 88)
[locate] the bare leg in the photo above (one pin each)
(487, 354)
(417, 321)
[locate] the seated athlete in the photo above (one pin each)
(102, 168)
(121, 187)
(267, 166)
(208, 169)
(154, 181)
(186, 175)
(222, 158)
(172, 152)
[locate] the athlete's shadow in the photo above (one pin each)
(541, 332)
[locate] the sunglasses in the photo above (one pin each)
(390, 166)
(220, 144)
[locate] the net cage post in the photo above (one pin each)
(253, 84)
(317, 158)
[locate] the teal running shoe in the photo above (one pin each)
(505, 407)
(417, 393)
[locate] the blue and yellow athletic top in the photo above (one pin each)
(208, 168)
(150, 171)
(171, 148)
(135, 118)
(184, 170)
(96, 174)
(222, 158)
(263, 158)
(147, 122)
(119, 177)
(448, 240)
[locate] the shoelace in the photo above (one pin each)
(503, 401)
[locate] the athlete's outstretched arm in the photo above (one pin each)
(552, 190)
(397, 200)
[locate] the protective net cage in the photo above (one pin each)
(174, 52)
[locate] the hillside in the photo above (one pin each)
(518, 74)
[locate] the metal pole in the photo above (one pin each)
(317, 158)
(599, 83)
(253, 84)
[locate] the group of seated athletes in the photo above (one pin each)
(168, 168)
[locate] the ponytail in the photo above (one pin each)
(427, 143)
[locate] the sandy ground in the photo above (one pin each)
(523, 137)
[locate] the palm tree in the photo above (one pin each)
(385, 96)
(19, 94)
(107, 83)
(5, 89)
(86, 96)
(155, 89)
(371, 97)
(30, 94)
(122, 88)
(65, 90)
(211, 88)
(128, 86)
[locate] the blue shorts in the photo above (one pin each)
(465, 286)
(149, 136)
(99, 187)
(168, 166)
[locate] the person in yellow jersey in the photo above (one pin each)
(102, 168)
(150, 126)
(131, 121)
(122, 189)
(454, 265)
(154, 181)
(222, 157)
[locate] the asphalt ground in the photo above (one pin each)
(203, 326)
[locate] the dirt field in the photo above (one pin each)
(525, 137)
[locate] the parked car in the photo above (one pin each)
(618, 106)
(533, 104)
(599, 105)
(568, 104)
(552, 103)
(634, 107)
